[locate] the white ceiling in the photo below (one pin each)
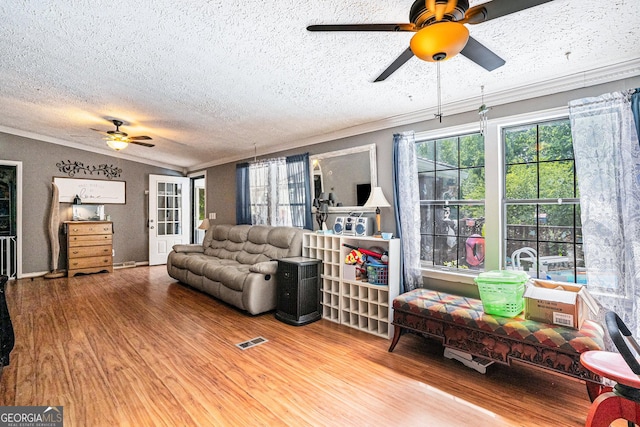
(212, 81)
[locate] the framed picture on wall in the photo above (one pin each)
(91, 190)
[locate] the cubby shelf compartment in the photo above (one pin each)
(358, 304)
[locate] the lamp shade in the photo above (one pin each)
(377, 199)
(204, 225)
(439, 41)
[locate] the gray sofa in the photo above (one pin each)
(237, 263)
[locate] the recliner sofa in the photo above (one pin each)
(237, 263)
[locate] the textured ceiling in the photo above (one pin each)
(212, 81)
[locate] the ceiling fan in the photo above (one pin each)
(118, 140)
(440, 33)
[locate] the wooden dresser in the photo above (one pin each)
(89, 247)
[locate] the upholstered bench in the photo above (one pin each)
(461, 324)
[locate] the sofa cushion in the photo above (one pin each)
(282, 241)
(238, 233)
(233, 278)
(179, 259)
(250, 259)
(213, 270)
(196, 263)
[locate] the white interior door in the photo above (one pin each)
(169, 217)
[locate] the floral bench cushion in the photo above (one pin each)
(461, 323)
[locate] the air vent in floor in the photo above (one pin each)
(251, 343)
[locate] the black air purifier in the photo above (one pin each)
(298, 290)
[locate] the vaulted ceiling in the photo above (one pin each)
(216, 81)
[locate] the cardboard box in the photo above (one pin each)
(558, 303)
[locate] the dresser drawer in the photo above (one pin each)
(97, 261)
(90, 240)
(77, 229)
(89, 251)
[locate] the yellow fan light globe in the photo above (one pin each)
(117, 144)
(439, 41)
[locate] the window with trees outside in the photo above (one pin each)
(451, 179)
(541, 201)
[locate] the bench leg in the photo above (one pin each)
(397, 331)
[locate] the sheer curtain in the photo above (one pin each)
(407, 208)
(607, 158)
(269, 192)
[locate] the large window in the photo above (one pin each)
(451, 180)
(542, 211)
(529, 216)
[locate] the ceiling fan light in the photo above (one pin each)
(117, 144)
(439, 41)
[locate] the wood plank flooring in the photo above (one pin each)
(135, 348)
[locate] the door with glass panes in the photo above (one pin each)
(169, 218)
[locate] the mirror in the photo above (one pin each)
(345, 177)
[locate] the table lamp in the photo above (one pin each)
(377, 200)
(204, 225)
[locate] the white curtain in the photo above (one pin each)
(269, 192)
(407, 207)
(607, 158)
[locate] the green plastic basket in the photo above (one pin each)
(501, 292)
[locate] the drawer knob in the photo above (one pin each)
(76, 252)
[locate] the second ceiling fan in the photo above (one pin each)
(440, 31)
(118, 140)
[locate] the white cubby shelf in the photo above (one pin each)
(355, 303)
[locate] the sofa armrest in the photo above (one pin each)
(266, 267)
(188, 248)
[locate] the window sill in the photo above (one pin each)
(450, 276)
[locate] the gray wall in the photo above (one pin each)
(39, 159)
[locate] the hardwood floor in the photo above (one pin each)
(134, 348)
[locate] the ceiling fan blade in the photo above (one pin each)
(497, 8)
(100, 131)
(399, 62)
(363, 27)
(481, 55)
(144, 144)
(140, 138)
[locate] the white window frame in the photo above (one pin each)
(494, 184)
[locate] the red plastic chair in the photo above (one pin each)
(623, 368)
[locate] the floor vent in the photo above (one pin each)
(126, 264)
(251, 343)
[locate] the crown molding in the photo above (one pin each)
(110, 153)
(511, 94)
